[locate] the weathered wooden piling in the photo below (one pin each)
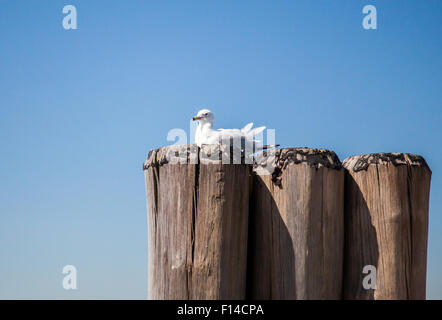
(296, 226)
(197, 224)
(386, 225)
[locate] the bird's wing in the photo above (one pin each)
(255, 131)
(232, 132)
(247, 128)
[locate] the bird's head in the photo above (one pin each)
(204, 116)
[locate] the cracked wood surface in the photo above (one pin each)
(386, 223)
(296, 227)
(197, 226)
(304, 242)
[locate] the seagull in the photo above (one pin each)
(205, 134)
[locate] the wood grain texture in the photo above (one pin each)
(386, 223)
(197, 225)
(296, 227)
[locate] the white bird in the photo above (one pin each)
(205, 134)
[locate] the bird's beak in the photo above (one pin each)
(196, 118)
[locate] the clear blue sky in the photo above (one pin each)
(80, 109)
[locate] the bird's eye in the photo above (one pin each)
(206, 113)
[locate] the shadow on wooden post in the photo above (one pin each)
(386, 223)
(296, 227)
(361, 246)
(304, 242)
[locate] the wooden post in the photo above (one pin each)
(296, 226)
(197, 224)
(386, 223)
